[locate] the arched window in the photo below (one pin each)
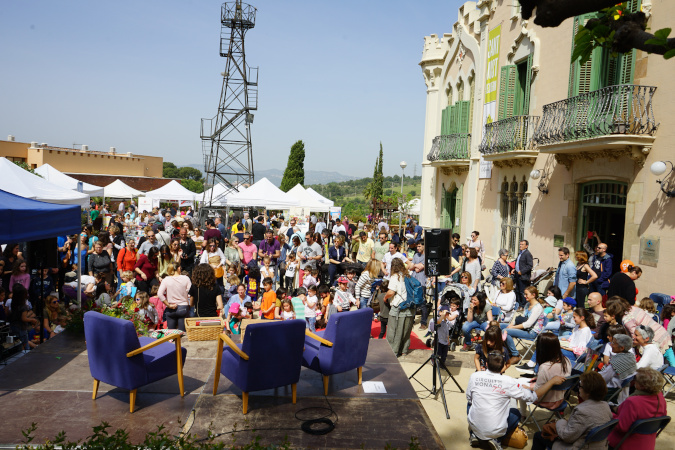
(513, 207)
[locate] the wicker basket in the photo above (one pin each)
(197, 333)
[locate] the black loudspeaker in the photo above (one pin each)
(437, 252)
(43, 253)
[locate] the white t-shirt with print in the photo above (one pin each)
(397, 284)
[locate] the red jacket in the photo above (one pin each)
(634, 408)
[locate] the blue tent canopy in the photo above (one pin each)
(29, 220)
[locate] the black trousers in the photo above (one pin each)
(520, 284)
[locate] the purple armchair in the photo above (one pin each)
(270, 357)
(342, 346)
(119, 357)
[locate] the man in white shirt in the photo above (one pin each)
(489, 397)
(339, 227)
(392, 254)
(309, 253)
(320, 225)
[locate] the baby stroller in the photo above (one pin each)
(541, 277)
(456, 337)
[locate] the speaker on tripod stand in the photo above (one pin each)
(437, 263)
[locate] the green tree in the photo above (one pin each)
(295, 168)
(169, 170)
(190, 173)
(379, 187)
(26, 167)
(193, 185)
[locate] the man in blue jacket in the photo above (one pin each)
(601, 263)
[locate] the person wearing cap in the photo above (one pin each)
(621, 364)
(343, 299)
(366, 249)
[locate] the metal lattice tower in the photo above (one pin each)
(226, 138)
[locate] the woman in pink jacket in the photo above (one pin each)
(646, 402)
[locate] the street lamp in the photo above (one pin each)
(403, 165)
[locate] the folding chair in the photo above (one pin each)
(530, 345)
(586, 362)
(668, 373)
(600, 433)
(569, 384)
(613, 393)
(646, 426)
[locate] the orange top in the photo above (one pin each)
(269, 299)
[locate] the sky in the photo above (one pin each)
(139, 76)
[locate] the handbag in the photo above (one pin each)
(219, 271)
(517, 438)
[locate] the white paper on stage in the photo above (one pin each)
(373, 387)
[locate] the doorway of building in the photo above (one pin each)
(602, 208)
(448, 208)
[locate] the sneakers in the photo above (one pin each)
(528, 375)
(525, 368)
(465, 348)
(423, 327)
(473, 440)
(494, 444)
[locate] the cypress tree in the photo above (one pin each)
(295, 168)
(378, 191)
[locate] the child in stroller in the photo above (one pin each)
(448, 325)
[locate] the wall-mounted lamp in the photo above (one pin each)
(659, 168)
(543, 184)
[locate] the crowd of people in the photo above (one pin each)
(278, 268)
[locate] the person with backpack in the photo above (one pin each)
(402, 308)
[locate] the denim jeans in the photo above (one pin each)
(511, 422)
(311, 323)
(516, 332)
(468, 326)
(363, 302)
(175, 318)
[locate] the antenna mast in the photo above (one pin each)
(226, 138)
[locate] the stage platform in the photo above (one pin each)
(52, 387)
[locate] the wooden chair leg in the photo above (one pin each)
(132, 400)
(96, 382)
(359, 371)
(294, 390)
(325, 385)
(219, 361)
(179, 360)
(244, 399)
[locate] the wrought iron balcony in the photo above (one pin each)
(512, 134)
(615, 110)
(450, 147)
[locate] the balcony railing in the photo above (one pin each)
(514, 133)
(450, 147)
(614, 110)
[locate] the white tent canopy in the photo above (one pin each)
(18, 181)
(117, 189)
(307, 201)
(320, 197)
(263, 193)
(58, 178)
(220, 194)
(173, 190)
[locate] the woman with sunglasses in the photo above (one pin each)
(163, 261)
(53, 313)
(214, 257)
(233, 253)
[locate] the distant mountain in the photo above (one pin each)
(311, 176)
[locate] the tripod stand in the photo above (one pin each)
(436, 364)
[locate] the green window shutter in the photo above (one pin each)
(472, 86)
(458, 209)
(584, 78)
(626, 68)
(453, 119)
(463, 117)
(525, 110)
(443, 113)
(507, 91)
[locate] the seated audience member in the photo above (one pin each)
(621, 364)
(492, 341)
(591, 412)
(651, 355)
(489, 397)
(552, 362)
(647, 401)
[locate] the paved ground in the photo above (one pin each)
(454, 432)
